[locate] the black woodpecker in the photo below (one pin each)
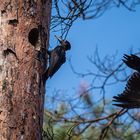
(130, 98)
(57, 57)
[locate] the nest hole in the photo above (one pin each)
(33, 36)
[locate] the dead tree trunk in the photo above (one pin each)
(24, 38)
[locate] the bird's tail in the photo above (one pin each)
(132, 61)
(45, 76)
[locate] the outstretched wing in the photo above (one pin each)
(130, 98)
(57, 58)
(132, 61)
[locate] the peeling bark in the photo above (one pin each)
(23, 61)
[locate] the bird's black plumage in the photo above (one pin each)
(132, 61)
(57, 57)
(130, 98)
(56, 60)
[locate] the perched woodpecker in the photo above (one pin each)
(57, 57)
(130, 98)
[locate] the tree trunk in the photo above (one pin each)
(24, 39)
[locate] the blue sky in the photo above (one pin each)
(117, 30)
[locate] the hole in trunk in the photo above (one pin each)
(33, 36)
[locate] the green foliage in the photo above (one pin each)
(64, 130)
(91, 121)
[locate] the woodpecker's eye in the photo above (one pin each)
(68, 45)
(33, 36)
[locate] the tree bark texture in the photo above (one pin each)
(24, 38)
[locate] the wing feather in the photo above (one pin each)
(57, 58)
(130, 98)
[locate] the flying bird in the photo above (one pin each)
(130, 98)
(57, 57)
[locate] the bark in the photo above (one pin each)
(24, 38)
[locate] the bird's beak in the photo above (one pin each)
(59, 38)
